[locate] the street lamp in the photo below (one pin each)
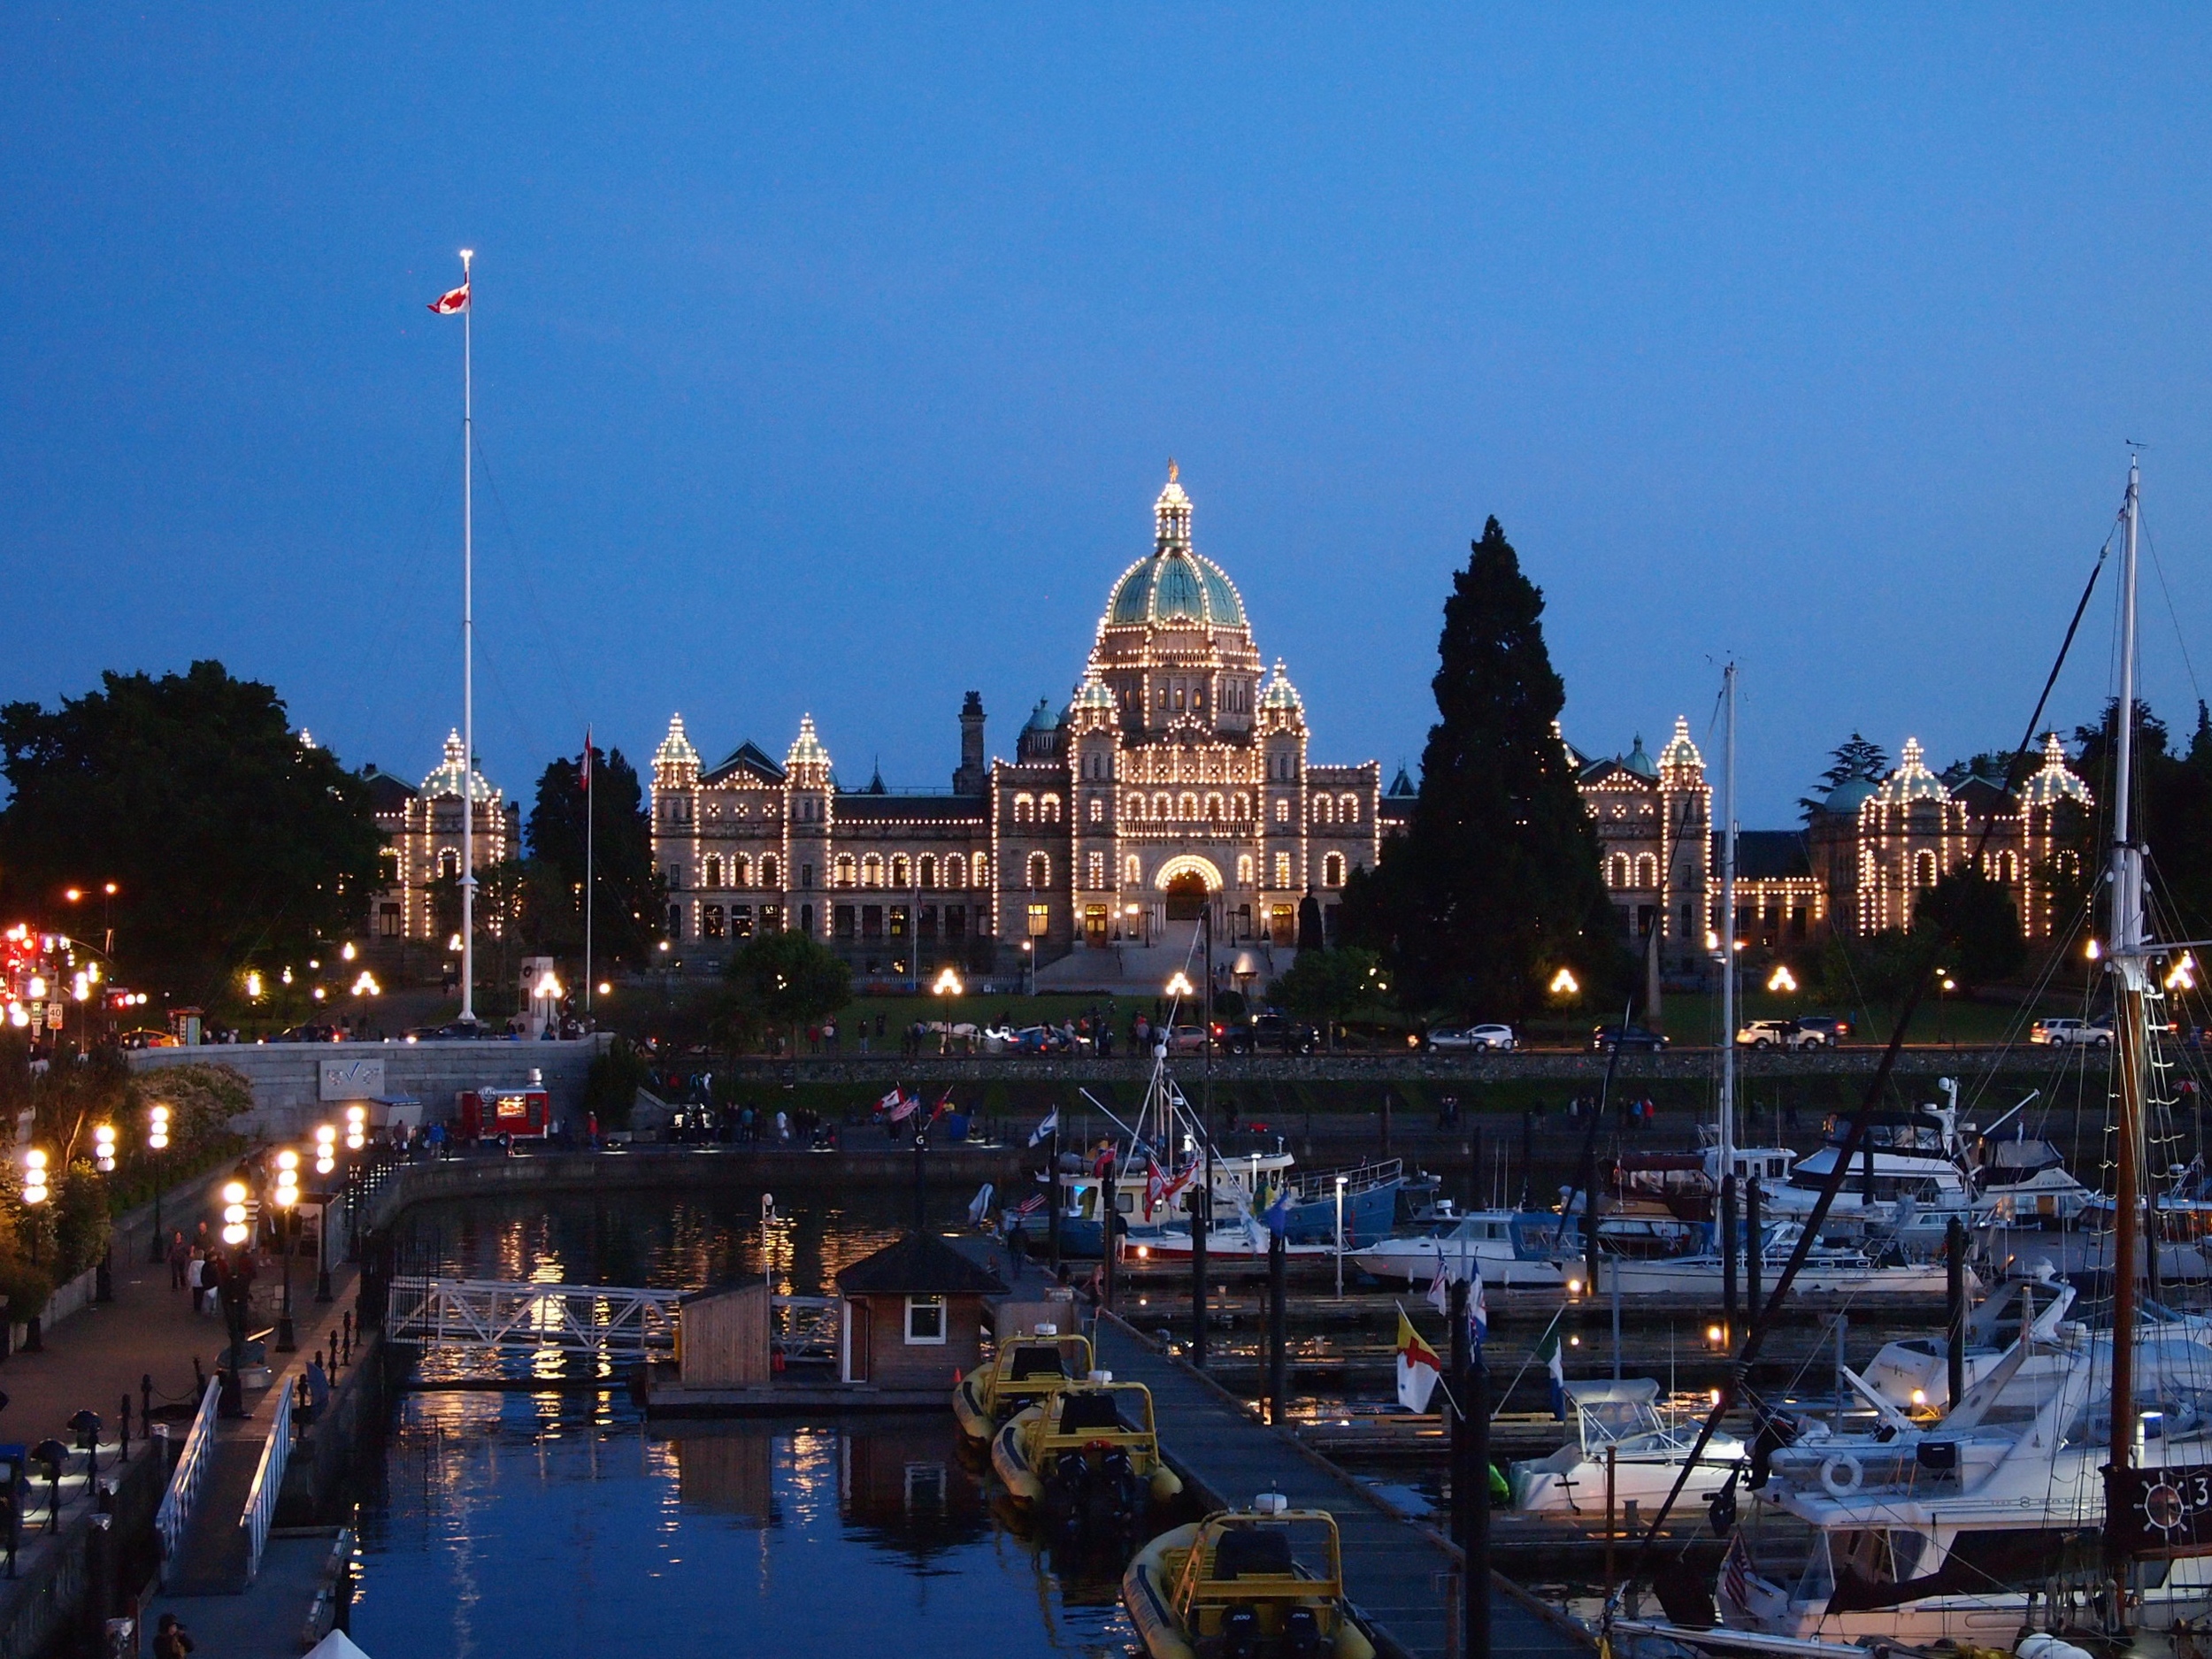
(103, 1149)
(1029, 968)
(34, 1190)
(234, 1213)
(288, 1195)
(157, 1143)
(326, 1163)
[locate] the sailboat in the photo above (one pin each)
(2038, 1504)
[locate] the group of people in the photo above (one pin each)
(218, 1279)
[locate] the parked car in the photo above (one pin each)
(1276, 1034)
(312, 1033)
(453, 1031)
(1373, 1036)
(1820, 1031)
(1628, 1039)
(1186, 1039)
(1474, 1040)
(2067, 1032)
(1766, 1033)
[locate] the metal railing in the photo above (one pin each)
(268, 1482)
(175, 1513)
(616, 1321)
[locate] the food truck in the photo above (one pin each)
(525, 1113)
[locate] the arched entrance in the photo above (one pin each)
(1185, 896)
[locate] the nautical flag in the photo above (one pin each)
(1478, 1314)
(1440, 1287)
(583, 781)
(1548, 1350)
(1046, 1129)
(452, 300)
(890, 1103)
(1103, 1163)
(1735, 1576)
(1155, 1185)
(1278, 1213)
(908, 1104)
(940, 1109)
(1030, 1205)
(1418, 1369)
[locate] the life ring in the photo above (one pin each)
(1842, 1475)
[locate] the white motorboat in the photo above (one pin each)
(1519, 1249)
(1648, 1451)
(1914, 1373)
(1829, 1270)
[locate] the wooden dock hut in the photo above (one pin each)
(912, 1314)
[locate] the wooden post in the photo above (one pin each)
(1752, 1267)
(1954, 1305)
(1590, 1220)
(1277, 1338)
(1728, 1253)
(1386, 1122)
(1612, 1483)
(1464, 1472)
(1475, 1601)
(1054, 1203)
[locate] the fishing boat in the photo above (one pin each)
(1086, 1458)
(1266, 1583)
(1023, 1372)
(1649, 1450)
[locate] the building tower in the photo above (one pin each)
(810, 798)
(972, 776)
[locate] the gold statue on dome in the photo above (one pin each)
(1171, 469)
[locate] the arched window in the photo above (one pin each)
(1646, 869)
(929, 870)
(1213, 809)
(1349, 809)
(1024, 808)
(1244, 869)
(982, 872)
(740, 871)
(1923, 869)
(1049, 810)
(448, 865)
(1242, 809)
(1098, 808)
(2009, 869)
(1616, 870)
(844, 877)
(1187, 808)
(1134, 809)
(872, 870)
(1333, 871)
(1094, 765)
(1323, 810)
(1040, 872)
(1132, 872)
(1162, 808)
(956, 873)
(771, 870)
(902, 871)
(714, 871)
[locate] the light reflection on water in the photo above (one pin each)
(556, 1522)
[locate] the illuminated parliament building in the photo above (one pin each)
(1175, 780)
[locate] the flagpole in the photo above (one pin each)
(591, 782)
(468, 646)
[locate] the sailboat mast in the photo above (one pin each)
(1728, 924)
(468, 646)
(2130, 1039)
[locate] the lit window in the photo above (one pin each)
(1213, 807)
(1349, 807)
(982, 876)
(1133, 871)
(1040, 920)
(1024, 808)
(742, 871)
(1188, 807)
(1098, 810)
(1333, 871)
(902, 871)
(1049, 810)
(1040, 872)
(1282, 809)
(872, 870)
(1096, 871)
(844, 877)
(1162, 808)
(1282, 870)
(1244, 870)
(926, 1320)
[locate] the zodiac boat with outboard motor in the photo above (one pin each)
(1087, 1457)
(1024, 1370)
(1263, 1583)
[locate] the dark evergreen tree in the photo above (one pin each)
(627, 912)
(1983, 922)
(1853, 761)
(2172, 817)
(229, 839)
(1496, 886)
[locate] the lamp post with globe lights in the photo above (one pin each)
(325, 1164)
(157, 1143)
(356, 1140)
(287, 1197)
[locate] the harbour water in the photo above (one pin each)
(555, 1520)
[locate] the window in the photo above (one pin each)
(1616, 870)
(741, 921)
(1213, 809)
(740, 871)
(1098, 808)
(675, 877)
(1162, 807)
(769, 870)
(926, 1320)
(1094, 872)
(872, 921)
(1094, 765)
(1135, 809)
(1040, 920)
(955, 921)
(1133, 871)
(1049, 810)
(1244, 870)
(1282, 809)
(1040, 872)
(872, 870)
(675, 921)
(902, 871)
(1323, 812)
(1024, 808)
(806, 877)
(1187, 808)
(806, 921)
(925, 922)
(714, 871)
(772, 918)
(1242, 809)
(388, 868)
(982, 872)
(1333, 871)
(1348, 808)
(844, 867)
(929, 870)
(449, 867)
(1924, 870)
(388, 918)
(841, 921)
(1646, 869)
(1282, 870)
(956, 873)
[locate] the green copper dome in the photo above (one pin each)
(1176, 585)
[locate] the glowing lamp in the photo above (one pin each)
(1564, 984)
(1180, 985)
(1781, 981)
(948, 985)
(103, 1147)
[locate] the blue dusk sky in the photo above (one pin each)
(829, 358)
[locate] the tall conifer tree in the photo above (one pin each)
(1497, 885)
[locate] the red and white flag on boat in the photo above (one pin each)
(1030, 1205)
(1419, 1369)
(452, 300)
(1155, 1185)
(1735, 1576)
(889, 1103)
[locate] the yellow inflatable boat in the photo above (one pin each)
(1266, 1583)
(1087, 1458)
(1025, 1369)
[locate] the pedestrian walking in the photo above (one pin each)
(179, 1258)
(195, 1280)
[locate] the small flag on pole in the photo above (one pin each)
(1418, 1369)
(1478, 1314)
(1548, 1350)
(1440, 1287)
(1030, 1205)
(1277, 1214)
(584, 781)
(1155, 1185)
(452, 300)
(908, 1104)
(889, 1103)
(1046, 1130)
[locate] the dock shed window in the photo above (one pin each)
(925, 1319)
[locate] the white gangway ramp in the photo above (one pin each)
(615, 1321)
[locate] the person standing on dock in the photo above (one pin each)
(179, 1258)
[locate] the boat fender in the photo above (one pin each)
(1841, 1476)
(2044, 1646)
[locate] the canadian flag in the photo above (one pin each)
(451, 301)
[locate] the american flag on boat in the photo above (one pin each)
(1030, 1205)
(1736, 1572)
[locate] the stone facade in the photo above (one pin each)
(1177, 777)
(422, 842)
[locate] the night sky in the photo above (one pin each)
(829, 358)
